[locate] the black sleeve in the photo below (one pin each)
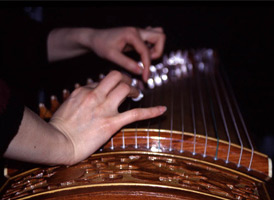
(11, 114)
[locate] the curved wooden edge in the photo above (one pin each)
(125, 185)
(181, 157)
(16, 176)
(259, 167)
(192, 134)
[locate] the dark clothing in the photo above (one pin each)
(11, 113)
(23, 49)
(23, 44)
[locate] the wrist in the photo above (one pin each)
(64, 43)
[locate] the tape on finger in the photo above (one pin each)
(140, 96)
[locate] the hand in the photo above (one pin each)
(89, 117)
(108, 43)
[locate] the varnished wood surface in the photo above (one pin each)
(125, 174)
(164, 142)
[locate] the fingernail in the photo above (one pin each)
(101, 76)
(140, 96)
(162, 109)
(141, 65)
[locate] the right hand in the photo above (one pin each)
(89, 117)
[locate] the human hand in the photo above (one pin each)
(111, 43)
(89, 117)
(66, 43)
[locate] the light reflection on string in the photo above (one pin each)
(171, 120)
(222, 115)
(234, 122)
(201, 70)
(241, 119)
(182, 117)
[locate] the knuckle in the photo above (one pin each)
(108, 54)
(116, 74)
(76, 91)
(160, 29)
(92, 96)
(130, 29)
(125, 87)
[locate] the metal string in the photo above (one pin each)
(159, 123)
(222, 115)
(193, 116)
(136, 126)
(148, 124)
(123, 130)
(202, 110)
(171, 120)
(212, 115)
(234, 121)
(182, 117)
(241, 119)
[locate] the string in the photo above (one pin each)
(234, 121)
(202, 110)
(148, 124)
(223, 116)
(171, 121)
(111, 141)
(241, 119)
(159, 122)
(193, 116)
(208, 91)
(182, 117)
(123, 130)
(136, 126)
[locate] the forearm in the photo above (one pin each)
(64, 43)
(39, 142)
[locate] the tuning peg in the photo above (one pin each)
(66, 94)
(150, 83)
(89, 81)
(54, 103)
(101, 76)
(44, 112)
(77, 85)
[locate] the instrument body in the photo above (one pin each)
(200, 149)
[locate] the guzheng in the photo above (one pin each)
(200, 148)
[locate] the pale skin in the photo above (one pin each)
(89, 117)
(109, 44)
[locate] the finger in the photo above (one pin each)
(111, 81)
(92, 85)
(157, 29)
(158, 48)
(138, 44)
(128, 63)
(118, 94)
(137, 114)
(156, 37)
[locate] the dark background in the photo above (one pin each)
(242, 33)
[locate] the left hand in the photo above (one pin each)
(110, 44)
